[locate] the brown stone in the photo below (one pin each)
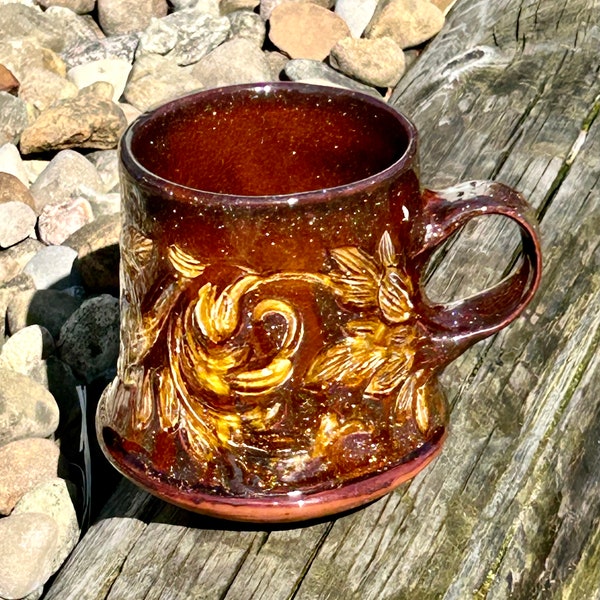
(87, 121)
(304, 30)
(444, 5)
(408, 22)
(378, 62)
(8, 82)
(97, 246)
(12, 189)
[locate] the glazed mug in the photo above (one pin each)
(279, 358)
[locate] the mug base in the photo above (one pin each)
(287, 507)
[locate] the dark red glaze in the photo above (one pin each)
(279, 358)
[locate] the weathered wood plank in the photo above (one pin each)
(510, 90)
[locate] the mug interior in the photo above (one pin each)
(267, 140)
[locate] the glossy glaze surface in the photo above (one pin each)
(279, 359)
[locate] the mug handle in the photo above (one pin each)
(457, 325)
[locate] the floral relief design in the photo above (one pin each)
(231, 393)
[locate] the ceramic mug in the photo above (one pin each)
(279, 359)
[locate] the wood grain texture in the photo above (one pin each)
(510, 90)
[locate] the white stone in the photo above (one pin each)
(11, 162)
(17, 223)
(113, 70)
(356, 13)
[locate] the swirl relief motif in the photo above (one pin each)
(250, 383)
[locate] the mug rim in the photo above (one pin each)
(190, 195)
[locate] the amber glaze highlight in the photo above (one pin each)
(279, 359)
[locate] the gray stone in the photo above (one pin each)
(277, 62)
(314, 71)
(52, 498)
(27, 409)
(89, 340)
(356, 13)
(131, 112)
(75, 27)
(24, 464)
(114, 70)
(198, 34)
(105, 204)
(159, 37)
(78, 6)
(107, 166)
(13, 259)
(211, 7)
(59, 220)
(229, 6)
(97, 246)
(13, 118)
(116, 46)
(248, 25)
(27, 551)
(16, 285)
(52, 267)
(12, 163)
(23, 55)
(407, 22)
(86, 121)
(126, 16)
(68, 175)
(236, 61)
(155, 79)
(48, 308)
(62, 384)
(18, 21)
(12, 189)
(378, 62)
(17, 222)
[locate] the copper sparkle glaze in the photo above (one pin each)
(279, 359)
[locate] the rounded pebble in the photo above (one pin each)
(24, 464)
(356, 13)
(407, 22)
(126, 16)
(52, 267)
(27, 550)
(52, 498)
(378, 62)
(27, 409)
(13, 259)
(305, 30)
(67, 175)
(236, 61)
(12, 163)
(17, 222)
(97, 246)
(89, 340)
(59, 220)
(12, 189)
(47, 308)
